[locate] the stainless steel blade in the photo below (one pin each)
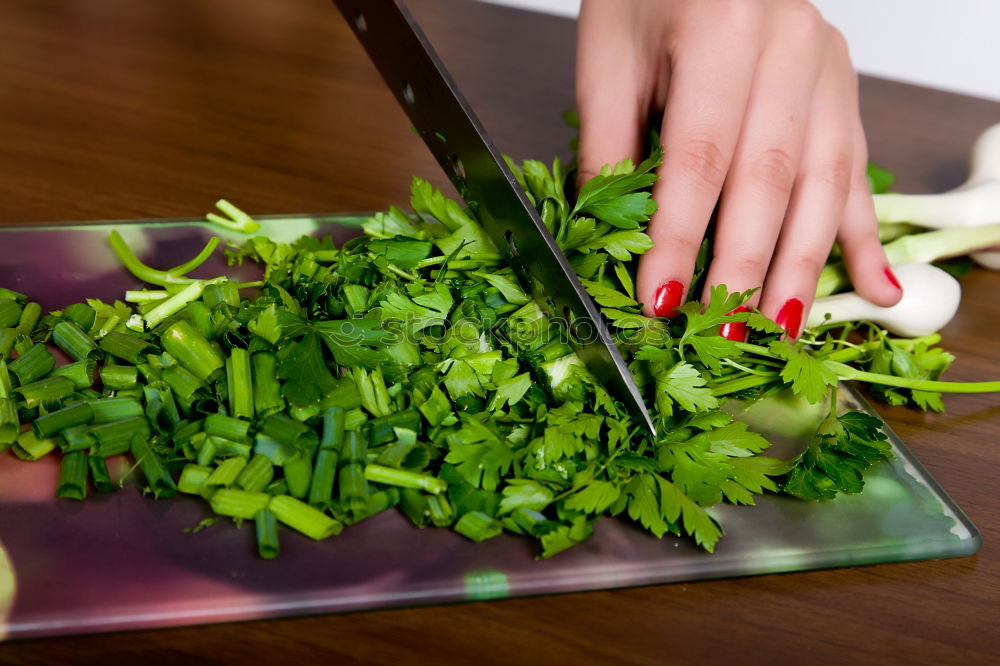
(448, 126)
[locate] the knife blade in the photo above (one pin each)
(450, 129)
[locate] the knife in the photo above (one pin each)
(445, 121)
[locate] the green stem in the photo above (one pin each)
(847, 372)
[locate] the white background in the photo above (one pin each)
(949, 44)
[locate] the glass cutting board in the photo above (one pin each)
(126, 562)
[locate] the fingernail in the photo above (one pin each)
(892, 278)
(736, 331)
(667, 299)
(790, 317)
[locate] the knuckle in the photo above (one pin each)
(807, 266)
(775, 168)
(737, 14)
(804, 21)
(753, 267)
(704, 161)
(680, 245)
(835, 173)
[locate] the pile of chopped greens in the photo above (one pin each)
(409, 368)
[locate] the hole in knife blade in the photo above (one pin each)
(408, 93)
(457, 167)
(359, 21)
(511, 245)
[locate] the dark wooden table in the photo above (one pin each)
(125, 109)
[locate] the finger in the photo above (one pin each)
(818, 199)
(706, 100)
(864, 256)
(760, 180)
(609, 91)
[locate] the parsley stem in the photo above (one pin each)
(196, 260)
(139, 269)
(405, 479)
(847, 372)
(743, 383)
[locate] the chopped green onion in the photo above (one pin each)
(73, 476)
(240, 384)
(298, 472)
(201, 317)
(225, 474)
(442, 512)
(181, 382)
(77, 438)
(99, 475)
(46, 391)
(274, 450)
(115, 438)
(383, 429)
(126, 347)
(301, 517)
(267, 534)
(71, 339)
(193, 478)
(157, 477)
(81, 373)
(324, 473)
(237, 503)
(6, 386)
(266, 390)
(391, 476)
(174, 304)
(8, 336)
(478, 526)
(30, 448)
(206, 451)
(202, 358)
(10, 425)
(10, 313)
(67, 417)
(395, 453)
(256, 475)
(289, 432)
(226, 447)
(30, 315)
(375, 503)
(161, 410)
(36, 363)
(107, 410)
(333, 429)
(119, 377)
(12, 295)
(227, 427)
(413, 504)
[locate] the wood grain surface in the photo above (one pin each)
(130, 109)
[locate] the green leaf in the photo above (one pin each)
(507, 285)
(620, 244)
(607, 296)
(354, 342)
(481, 465)
(809, 376)
(525, 493)
(712, 349)
(697, 522)
(595, 497)
(510, 391)
(684, 385)
(302, 366)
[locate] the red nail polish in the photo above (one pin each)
(892, 278)
(667, 299)
(736, 331)
(790, 317)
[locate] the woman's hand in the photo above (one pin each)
(760, 108)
